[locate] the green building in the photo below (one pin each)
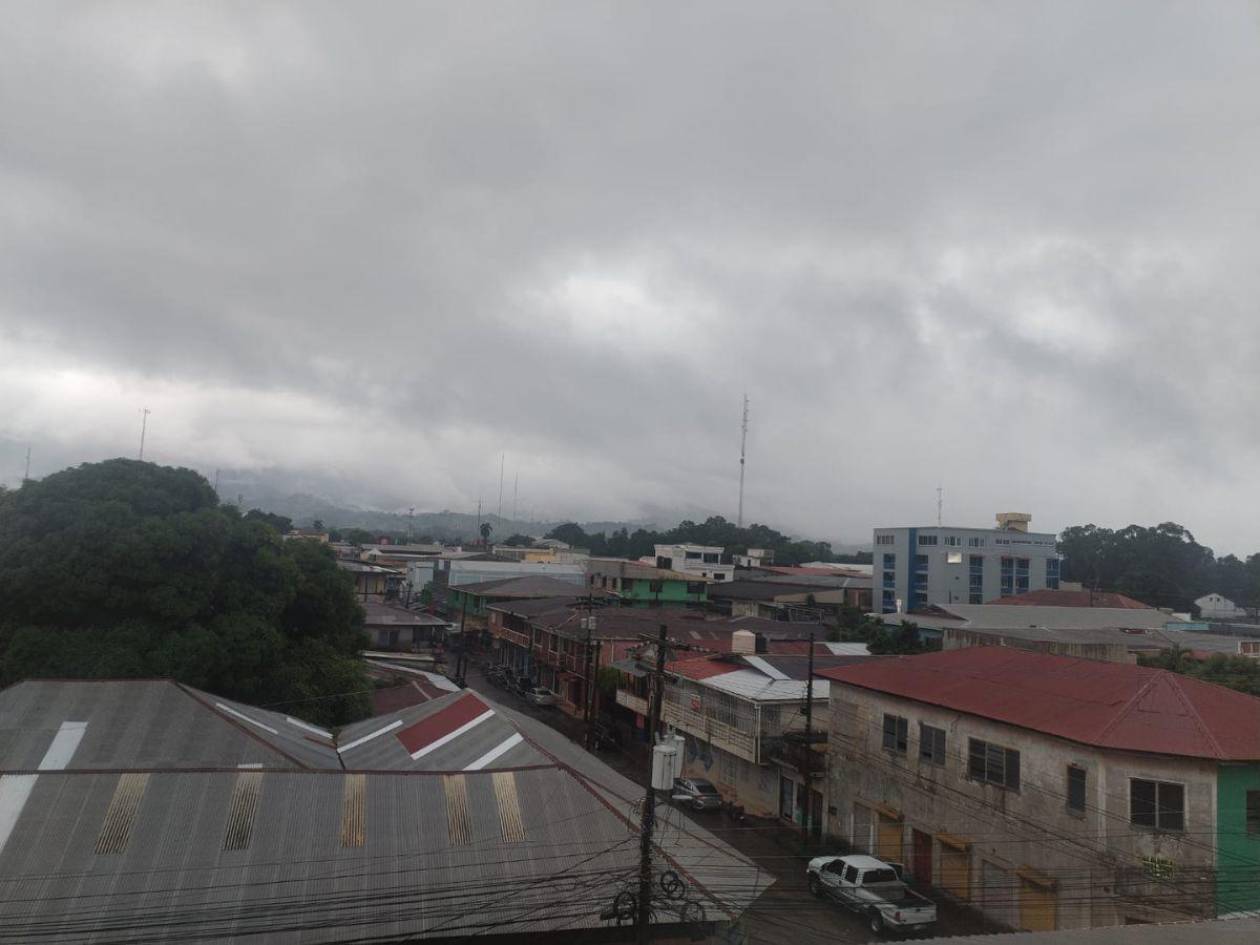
(636, 584)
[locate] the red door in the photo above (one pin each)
(921, 856)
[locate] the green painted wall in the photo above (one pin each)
(1237, 852)
(672, 592)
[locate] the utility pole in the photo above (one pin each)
(516, 485)
(644, 920)
(144, 422)
(463, 643)
(586, 676)
(743, 442)
(27, 475)
(502, 457)
(808, 756)
(411, 517)
(940, 502)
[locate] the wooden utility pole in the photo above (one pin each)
(644, 921)
(587, 682)
(807, 757)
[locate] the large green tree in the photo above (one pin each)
(124, 568)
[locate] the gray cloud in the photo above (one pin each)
(1004, 247)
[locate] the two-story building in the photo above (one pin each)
(918, 567)
(747, 729)
(702, 560)
(636, 584)
(1050, 791)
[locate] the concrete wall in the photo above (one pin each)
(1094, 859)
(953, 638)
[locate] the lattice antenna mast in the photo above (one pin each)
(743, 443)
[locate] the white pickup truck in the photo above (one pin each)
(873, 889)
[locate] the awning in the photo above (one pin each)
(885, 811)
(630, 668)
(958, 843)
(1036, 877)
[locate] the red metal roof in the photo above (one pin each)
(1109, 705)
(442, 724)
(701, 667)
(1050, 598)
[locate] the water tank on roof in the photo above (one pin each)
(744, 641)
(1013, 521)
(667, 762)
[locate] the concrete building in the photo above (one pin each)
(918, 567)
(703, 560)
(643, 585)
(1215, 607)
(1050, 792)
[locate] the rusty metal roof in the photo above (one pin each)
(144, 811)
(1109, 705)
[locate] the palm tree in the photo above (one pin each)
(486, 529)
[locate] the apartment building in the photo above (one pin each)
(915, 567)
(1049, 791)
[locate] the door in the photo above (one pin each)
(956, 871)
(889, 841)
(997, 890)
(1036, 906)
(787, 798)
(816, 814)
(921, 856)
(861, 828)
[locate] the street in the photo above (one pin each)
(786, 914)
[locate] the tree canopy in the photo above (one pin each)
(713, 531)
(1162, 565)
(124, 568)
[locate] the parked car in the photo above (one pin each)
(698, 793)
(524, 684)
(541, 695)
(873, 889)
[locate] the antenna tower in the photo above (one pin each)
(940, 502)
(144, 422)
(743, 442)
(27, 475)
(502, 457)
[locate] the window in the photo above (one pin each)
(1253, 813)
(851, 874)
(896, 733)
(993, 764)
(890, 561)
(1052, 573)
(710, 558)
(627, 584)
(1158, 804)
(975, 542)
(931, 744)
(951, 540)
(927, 540)
(1076, 789)
(695, 587)
(656, 586)
(953, 557)
(692, 555)
(719, 576)
(885, 539)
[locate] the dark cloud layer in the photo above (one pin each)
(1006, 248)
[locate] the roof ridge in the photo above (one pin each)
(1174, 680)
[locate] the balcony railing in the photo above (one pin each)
(719, 734)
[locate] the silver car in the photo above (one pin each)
(698, 793)
(541, 695)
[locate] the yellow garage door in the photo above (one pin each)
(889, 848)
(955, 869)
(1037, 904)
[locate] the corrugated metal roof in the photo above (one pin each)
(280, 854)
(1110, 705)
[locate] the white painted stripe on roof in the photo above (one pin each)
(251, 764)
(245, 718)
(451, 736)
(15, 789)
(758, 663)
(63, 746)
(848, 649)
(310, 728)
(397, 723)
(502, 748)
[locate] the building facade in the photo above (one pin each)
(641, 585)
(1050, 792)
(919, 567)
(702, 560)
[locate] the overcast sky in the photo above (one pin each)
(1006, 248)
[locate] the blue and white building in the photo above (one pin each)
(918, 567)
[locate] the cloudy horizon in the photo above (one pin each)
(1004, 249)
